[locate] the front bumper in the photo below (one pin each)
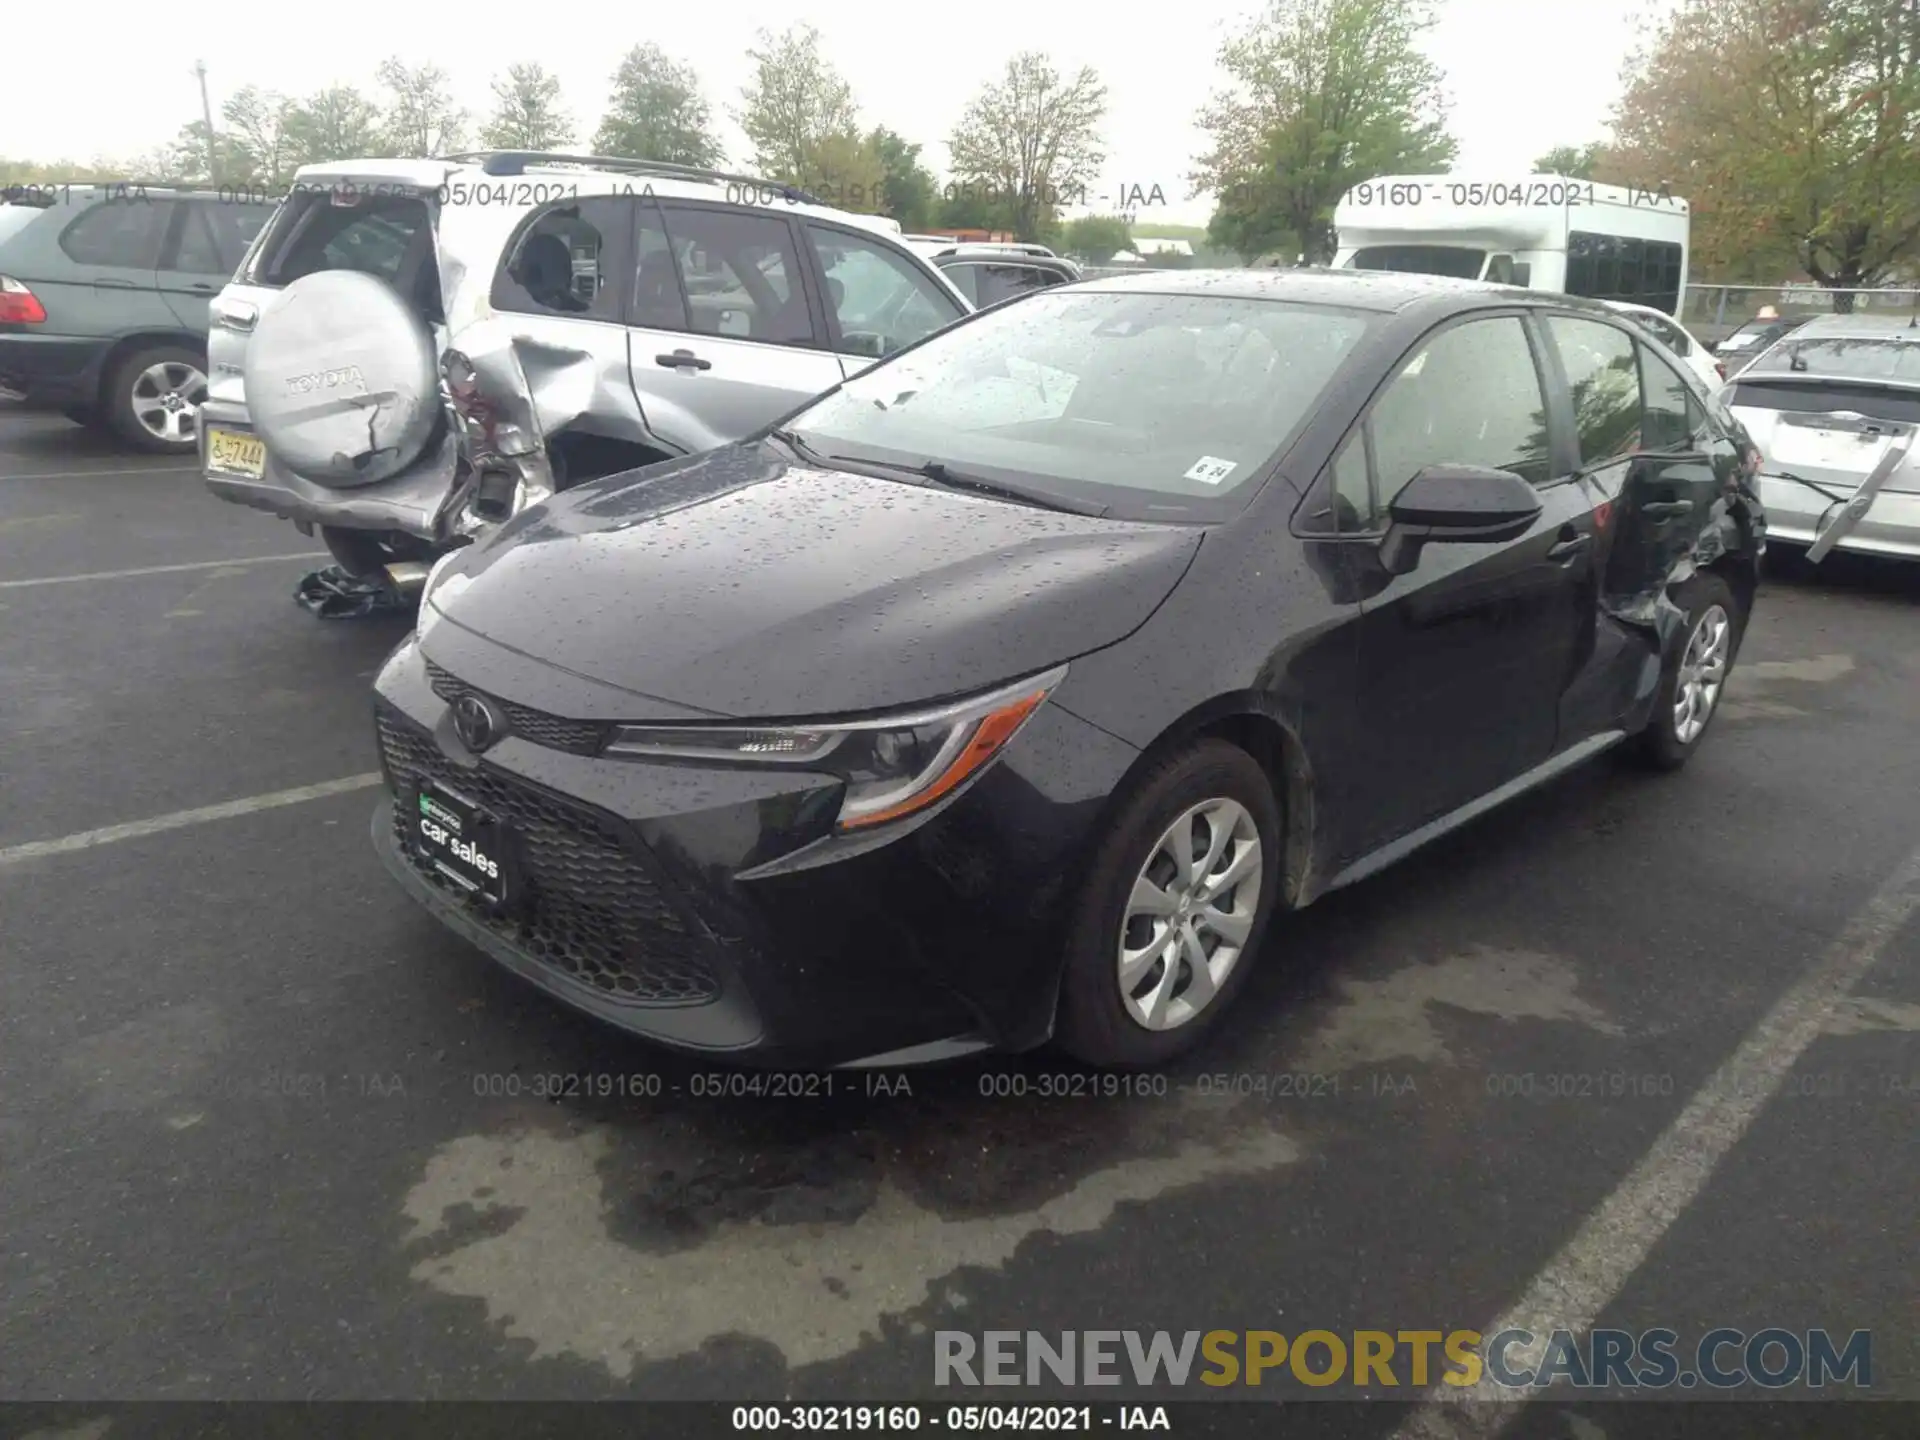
(685, 903)
(1794, 514)
(413, 502)
(55, 372)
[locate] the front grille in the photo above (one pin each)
(576, 737)
(593, 908)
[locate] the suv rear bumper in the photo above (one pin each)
(52, 371)
(410, 503)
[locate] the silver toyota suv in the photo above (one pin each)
(414, 350)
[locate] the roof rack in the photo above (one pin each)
(516, 162)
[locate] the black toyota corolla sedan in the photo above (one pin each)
(1016, 688)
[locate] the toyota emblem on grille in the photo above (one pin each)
(475, 722)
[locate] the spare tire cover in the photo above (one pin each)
(342, 379)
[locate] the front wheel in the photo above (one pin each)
(1173, 910)
(1695, 677)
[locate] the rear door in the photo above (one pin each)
(1658, 471)
(204, 245)
(726, 333)
(335, 223)
(103, 280)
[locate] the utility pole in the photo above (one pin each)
(206, 115)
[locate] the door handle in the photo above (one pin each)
(115, 285)
(1568, 547)
(203, 289)
(1667, 509)
(683, 357)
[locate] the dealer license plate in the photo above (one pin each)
(462, 842)
(236, 452)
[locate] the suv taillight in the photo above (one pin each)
(19, 305)
(1721, 366)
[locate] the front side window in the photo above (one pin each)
(1603, 377)
(121, 233)
(1469, 396)
(740, 273)
(1164, 405)
(567, 262)
(881, 302)
(1342, 503)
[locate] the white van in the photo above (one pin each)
(1546, 232)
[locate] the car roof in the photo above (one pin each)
(1860, 327)
(1383, 290)
(589, 180)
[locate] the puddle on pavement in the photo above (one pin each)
(806, 1228)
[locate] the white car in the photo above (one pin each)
(1674, 336)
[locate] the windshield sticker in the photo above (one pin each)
(1209, 471)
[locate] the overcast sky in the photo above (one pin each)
(104, 83)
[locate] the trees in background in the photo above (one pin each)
(803, 123)
(1096, 239)
(1575, 162)
(656, 112)
(1793, 129)
(1321, 95)
(1029, 142)
(912, 193)
(420, 117)
(527, 111)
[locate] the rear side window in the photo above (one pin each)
(212, 236)
(568, 262)
(1003, 282)
(374, 237)
(1600, 366)
(123, 233)
(1673, 419)
(741, 275)
(966, 279)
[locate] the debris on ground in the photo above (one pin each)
(333, 594)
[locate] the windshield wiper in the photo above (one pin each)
(791, 439)
(945, 475)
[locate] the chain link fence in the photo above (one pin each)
(1713, 312)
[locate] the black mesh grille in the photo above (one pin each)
(593, 908)
(576, 737)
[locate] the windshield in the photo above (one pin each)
(1856, 357)
(1157, 403)
(1454, 260)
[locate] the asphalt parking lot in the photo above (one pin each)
(267, 1132)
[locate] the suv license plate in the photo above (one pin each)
(236, 452)
(462, 842)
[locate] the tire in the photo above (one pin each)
(1098, 1023)
(1666, 743)
(152, 399)
(365, 552)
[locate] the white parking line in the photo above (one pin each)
(180, 819)
(85, 474)
(1593, 1267)
(161, 569)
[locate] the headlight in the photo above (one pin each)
(893, 765)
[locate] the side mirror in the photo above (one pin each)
(1453, 504)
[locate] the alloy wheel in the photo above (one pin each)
(1189, 914)
(167, 399)
(1703, 674)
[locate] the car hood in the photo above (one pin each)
(739, 584)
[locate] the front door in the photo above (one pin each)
(1464, 659)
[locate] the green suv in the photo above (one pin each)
(103, 302)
